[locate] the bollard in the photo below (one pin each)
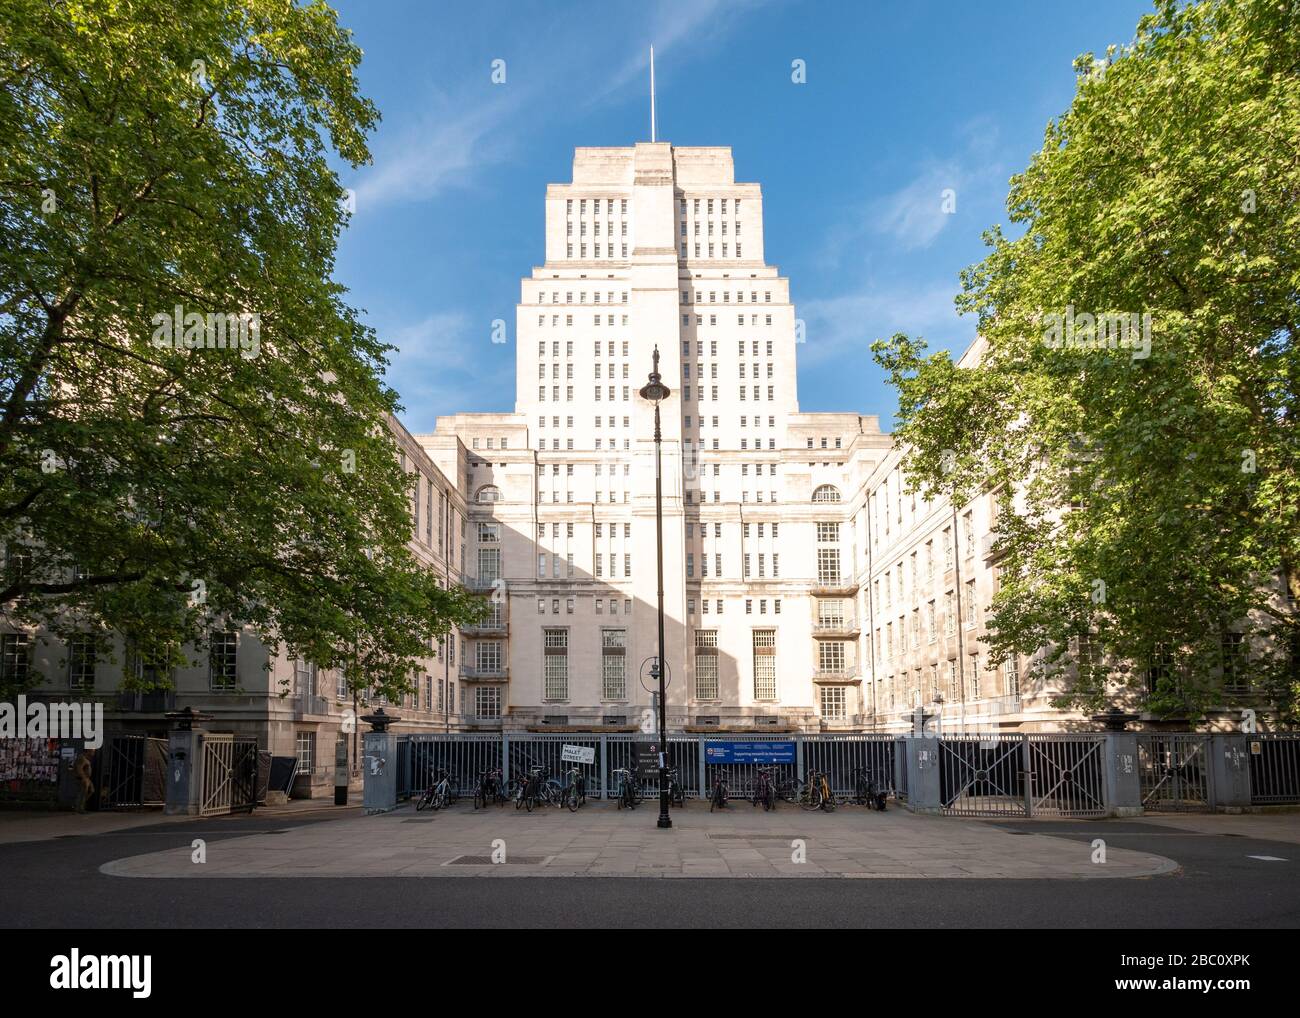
(1123, 780)
(1230, 772)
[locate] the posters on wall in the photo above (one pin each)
(29, 760)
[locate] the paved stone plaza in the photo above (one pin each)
(600, 840)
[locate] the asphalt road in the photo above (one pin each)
(57, 884)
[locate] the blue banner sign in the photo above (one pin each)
(749, 752)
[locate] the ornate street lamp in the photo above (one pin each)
(655, 391)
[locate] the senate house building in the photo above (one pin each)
(805, 589)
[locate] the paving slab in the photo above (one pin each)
(602, 841)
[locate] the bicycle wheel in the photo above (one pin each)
(572, 800)
(479, 799)
(769, 799)
(422, 801)
(813, 800)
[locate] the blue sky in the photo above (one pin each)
(902, 100)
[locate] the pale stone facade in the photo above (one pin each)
(785, 533)
(777, 524)
(290, 708)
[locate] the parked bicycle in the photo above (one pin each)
(817, 793)
(718, 800)
(790, 790)
(628, 792)
(527, 789)
(575, 792)
(489, 789)
(438, 795)
(764, 790)
(866, 792)
(549, 790)
(676, 794)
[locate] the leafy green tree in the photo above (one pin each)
(1148, 498)
(164, 162)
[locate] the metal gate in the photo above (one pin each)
(1065, 775)
(1175, 772)
(133, 772)
(1274, 768)
(229, 775)
(983, 775)
(1023, 775)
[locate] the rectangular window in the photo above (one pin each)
(304, 677)
(487, 701)
(1236, 676)
(15, 657)
(828, 566)
(222, 673)
(613, 664)
(834, 702)
(489, 657)
(830, 613)
(555, 670)
(764, 664)
(831, 657)
(81, 662)
(706, 664)
(305, 746)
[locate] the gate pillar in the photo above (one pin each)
(184, 773)
(1123, 775)
(1229, 772)
(379, 767)
(922, 763)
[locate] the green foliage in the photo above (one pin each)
(164, 153)
(1171, 187)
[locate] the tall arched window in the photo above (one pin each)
(490, 493)
(826, 493)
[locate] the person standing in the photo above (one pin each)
(81, 770)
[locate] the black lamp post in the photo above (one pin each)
(655, 391)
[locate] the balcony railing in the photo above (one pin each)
(310, 703)
(835, 585)
(479, 583)
(844, 674)
(479, 672)
(988, 545)
(156, 701)
(994, 705)
(489, 627)
(836, 627)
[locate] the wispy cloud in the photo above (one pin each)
(443, 150)
(677, 31)
(445, 360)
(846, 325)
(915, 215)
(460, 135)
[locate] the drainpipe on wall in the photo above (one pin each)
(871, 619)
(961, 621)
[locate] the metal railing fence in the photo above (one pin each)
(1023, 774)
(467, 755)
(1275, 768)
